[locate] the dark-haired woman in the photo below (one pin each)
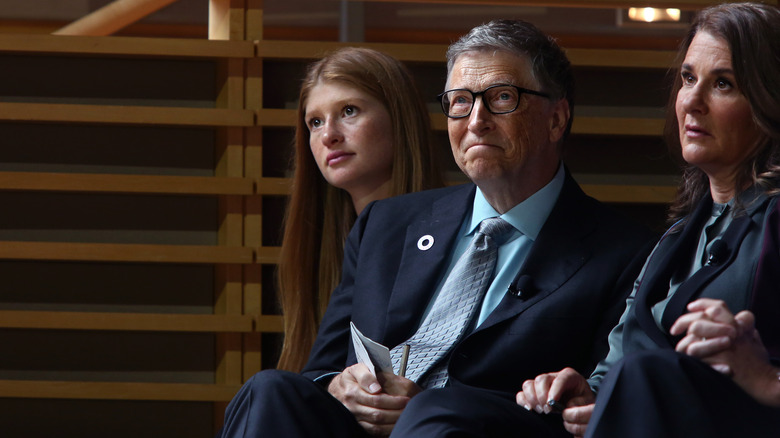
(697, 351)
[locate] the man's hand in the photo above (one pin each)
(566, 387)
(731, 345)
(376, 405)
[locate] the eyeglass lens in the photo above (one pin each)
(499, 100)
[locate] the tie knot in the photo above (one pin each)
(496, 228)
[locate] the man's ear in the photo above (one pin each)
(559, 119)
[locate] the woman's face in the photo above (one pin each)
(350, 138)
(717, 131)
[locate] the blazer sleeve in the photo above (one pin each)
(333, 346)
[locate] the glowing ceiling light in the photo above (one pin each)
(650, 15)
(674, 14)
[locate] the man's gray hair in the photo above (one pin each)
(549, 63)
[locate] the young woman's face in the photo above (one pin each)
(716, 126)
(350, 138)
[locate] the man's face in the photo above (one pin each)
(515, 148)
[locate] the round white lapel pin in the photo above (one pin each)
(425, 243)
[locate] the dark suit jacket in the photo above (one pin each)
(745, 274)
(581, 268)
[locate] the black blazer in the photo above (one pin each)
(745, 274)
(578, 273)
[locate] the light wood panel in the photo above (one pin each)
(227, 21)
(54, 320)
(116, 252)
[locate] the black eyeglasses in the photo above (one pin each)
(498, 99)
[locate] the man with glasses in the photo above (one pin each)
(489, 283)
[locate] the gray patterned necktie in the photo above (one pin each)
(454, 308)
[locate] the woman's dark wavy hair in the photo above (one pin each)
(752, 32)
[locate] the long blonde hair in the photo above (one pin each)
(319, 216)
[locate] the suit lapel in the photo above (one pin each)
(427, 246)
(654, 285)
(692, 287)
(555, 256)
(680, 251)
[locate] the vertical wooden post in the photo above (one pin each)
(253, 290)
(226, 22)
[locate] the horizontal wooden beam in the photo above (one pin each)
(275, 117)
(435, 53)
(273, 186)
(194, 392)
(681, 4)
(126, 46)
(124, 252)
(276, 49)
(53, 320)
(621, 58)
(102, 183)
(267, 254)
(270, 324)
(125, 115)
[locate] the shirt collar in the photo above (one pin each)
(528, 216)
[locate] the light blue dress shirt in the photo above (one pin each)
(527, 218)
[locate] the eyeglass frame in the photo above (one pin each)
(475, 94)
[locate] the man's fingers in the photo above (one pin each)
(542, 388)
(522, 400)
(530, 399)
(578, 430)
(376, 429)
(551, 392)
(386, 402)
(377, 416)
(380, 413)
(365, 379)
(567, 384)
(576, 419)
